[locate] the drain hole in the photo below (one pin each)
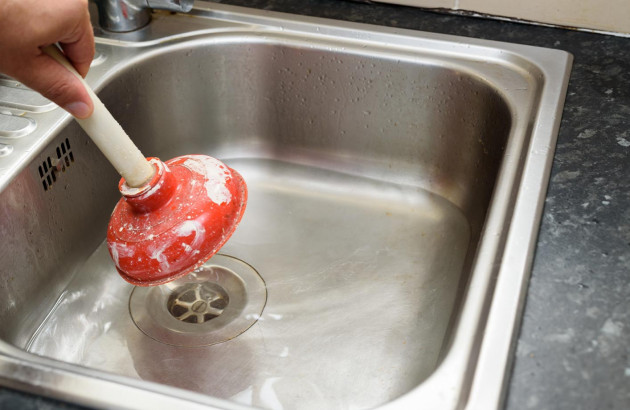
(214, 304)
(197, 302)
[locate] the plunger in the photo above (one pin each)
(173, 215)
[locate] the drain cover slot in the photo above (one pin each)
(215, 303)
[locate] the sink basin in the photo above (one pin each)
(396, 181)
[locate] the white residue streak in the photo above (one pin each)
(157, 253)
(114, 254)
(187, 228)
(216, 175)
(187, 247)
(118, 250)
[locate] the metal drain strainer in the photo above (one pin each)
(215, 303)
(198, 302)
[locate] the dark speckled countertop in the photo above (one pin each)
(574, 346)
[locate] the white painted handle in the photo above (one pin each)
(108, 135)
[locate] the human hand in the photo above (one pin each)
(26, 26)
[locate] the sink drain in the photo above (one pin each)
(213, 304)
(197, 302)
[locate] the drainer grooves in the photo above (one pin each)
(49, 168)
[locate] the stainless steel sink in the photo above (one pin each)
(396, 183)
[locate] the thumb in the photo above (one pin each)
(55, 82)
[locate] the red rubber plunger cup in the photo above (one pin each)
(174, 223)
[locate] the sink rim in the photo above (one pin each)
(522, 224)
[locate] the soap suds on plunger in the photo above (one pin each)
(187, 228)
(216, 175)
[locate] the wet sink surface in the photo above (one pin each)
(360, 285)
(395, 186)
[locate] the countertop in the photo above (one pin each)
(574, 345)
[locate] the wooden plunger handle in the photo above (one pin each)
(108, 135)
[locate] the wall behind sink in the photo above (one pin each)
(611, 16)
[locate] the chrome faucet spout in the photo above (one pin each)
(130, 15)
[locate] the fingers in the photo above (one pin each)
(78, 46)
(80, 53)
(58, 84)
(28, 25)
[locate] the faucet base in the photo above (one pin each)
(122, 16)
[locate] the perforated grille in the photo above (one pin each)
(50, 168)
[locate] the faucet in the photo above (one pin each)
(130, 15)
